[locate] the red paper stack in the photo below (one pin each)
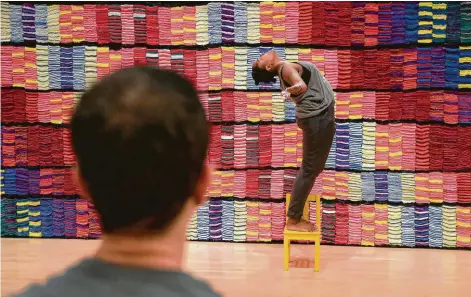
(371, 24)
(202, 70)
(305, 23)
(409, 105)
(227, 147)
(345, 70)
(253, 148)
(228, 64)
(277, 145)
(318, 59)
(69, 186)
(31, 71)
(368, 109)
(328, 185)
(252, 183)
(102, 29)
(276, 190)
(82, 218)
(189, 65)
(57, 154)
(368, 224)
(6, 69)
(240, 106)
(422, 188)
(408, 146)
(69, 156)
(331, 67)
(358, 23)
(344, 23)
(341, 223)
(215, 146)
(103, 62)
(165, 25)
(90, 22)
(436, 105)
(115, 60)
(381, 225)
(140, 56)
(331, 23)
(8, 105)
(127, 20)
(423, 106)
(127, 57)
(436, 147)
(436, 187)
(299, 147)
(354, 224)
(410, 68)
(266, 22)
(253, 212)
(152, 24)
(358, 78)
(278, 219)
(18, 65)
(20, 106)
(21, 146)
(422, 161)
(341, 185)
(382, 106)
(384, 69)
(163, 56)
(395, 146)
(45, 139)
(253, 112)
(318, 22)
(45, 181)
(395, 106)
(371, 69)
(58, 182)
(463, 228)
(289, 176)
(176, 21)
(8, 146)
(215, 69)
(291, 22)
(177, 61)
(264, 181)
(397, 69)
(139, 17)
(382, 147)
(450, 148)
(65, 23)
(31, 107)
(189, 25)
(450, 109)
(240, 184)
(450, 187)
(265, 146)
(33, 146)
(228, 112)
(240, 146)
(464, 147)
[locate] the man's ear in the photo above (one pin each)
(202, 185)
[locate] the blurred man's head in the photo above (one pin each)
(141, 138)
(264, 68)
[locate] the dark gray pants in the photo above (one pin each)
(318, 135)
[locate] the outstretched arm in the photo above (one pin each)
(292, 77)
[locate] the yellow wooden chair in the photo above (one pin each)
(304, 236)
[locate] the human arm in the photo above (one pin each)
(292, 77)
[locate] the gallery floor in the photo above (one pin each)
(255, 270)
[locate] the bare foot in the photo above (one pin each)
(302, 226)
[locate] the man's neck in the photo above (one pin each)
(162, 252)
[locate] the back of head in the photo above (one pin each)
(141, 137)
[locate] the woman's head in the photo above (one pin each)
(264, 68)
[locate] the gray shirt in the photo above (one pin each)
(318, 96)
(95, 278)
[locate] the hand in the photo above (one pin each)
(285, 94)
(296, 89)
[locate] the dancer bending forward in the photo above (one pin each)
(303, 83)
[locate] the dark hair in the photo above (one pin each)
(263, 75)
(141, 138)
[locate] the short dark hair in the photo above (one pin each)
(263, 75)
(141, 138)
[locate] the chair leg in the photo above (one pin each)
(317, 254)
(286, 256)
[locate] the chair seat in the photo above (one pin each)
(301, 235)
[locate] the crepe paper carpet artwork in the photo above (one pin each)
(399, 171)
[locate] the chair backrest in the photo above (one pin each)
(310, 198)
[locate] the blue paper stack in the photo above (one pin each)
(228, 215)
(9, 223)
(46, 218)
(227, 23)
(439, 22)
(9, 181)
(66, 68)
(342, 151)
(408, 231)
(381, 186)
(367, 186)
(54, 67)
(394, 187)
(355, 144)
(412, 21)
(465, 10)
(29, 32)
(438, 67)
(436, 230)
(384, 23)
(215, 220)
(398, 22)
(22, 181)
(240, 22)
(214, 23)
(424, 67)
(58, 225)
(452, 67)
(78, 57)
(41, 23)
(203, 221)
(34, 218)
(252, 55)
(34, 180)
(16, 23)
(421, 225)
(465, 66)
(70, 218)
(453, 22)
(22, 217)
